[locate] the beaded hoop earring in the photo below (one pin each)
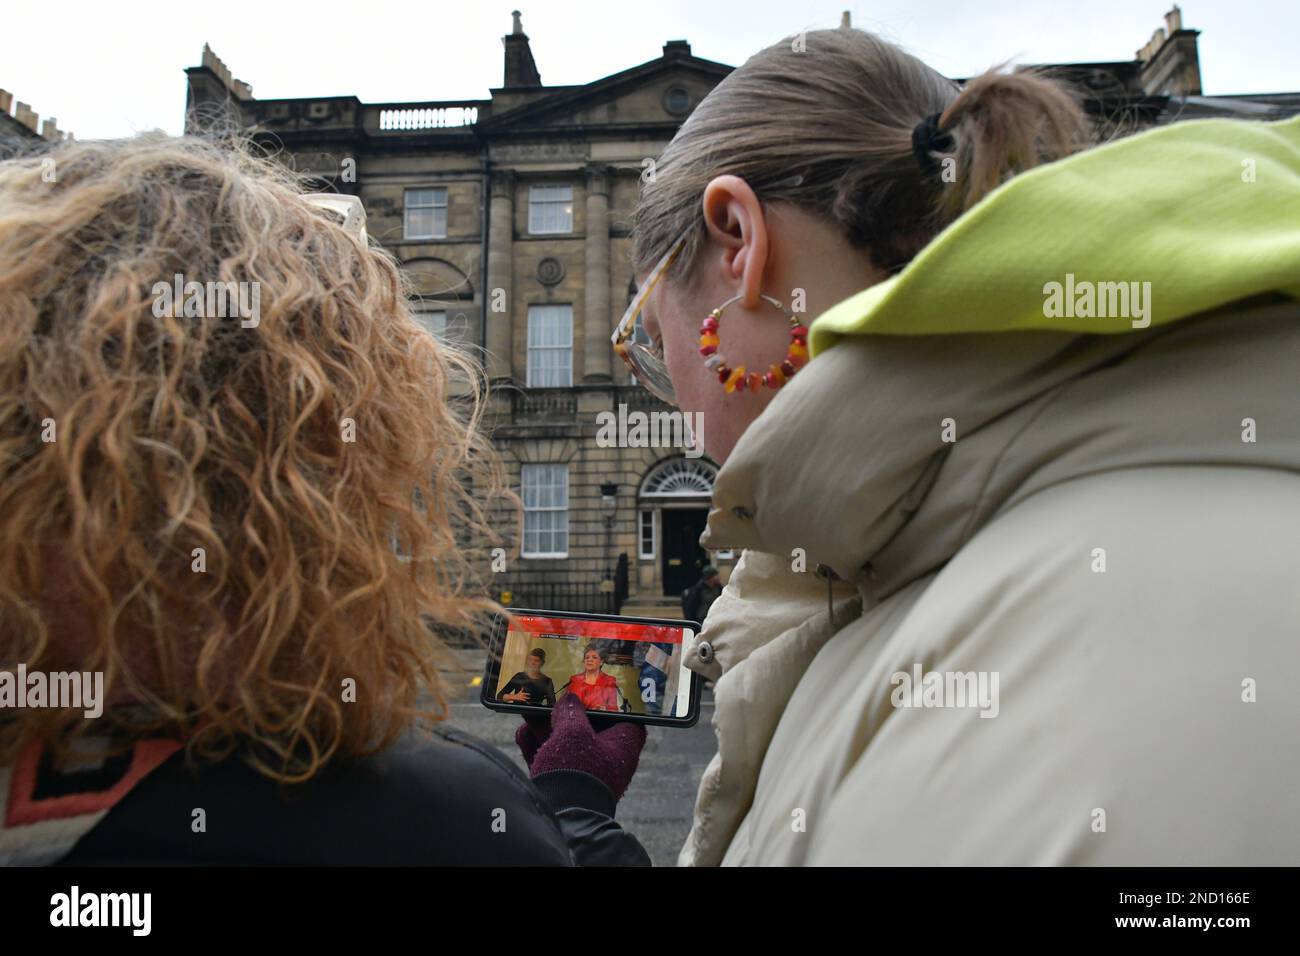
(738, 379)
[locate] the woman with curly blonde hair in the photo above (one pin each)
(251, 523)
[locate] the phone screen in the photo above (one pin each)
(618, 666)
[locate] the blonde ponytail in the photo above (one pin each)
(1002, 124)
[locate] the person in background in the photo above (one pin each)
(250, 524)
(530, 686)
(699, 597)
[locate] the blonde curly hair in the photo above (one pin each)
(320, 460)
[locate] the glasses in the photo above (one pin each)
(351, 213)
(643, 355)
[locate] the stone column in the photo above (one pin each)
(499, 293)
(597, 324)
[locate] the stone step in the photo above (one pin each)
(650, 609)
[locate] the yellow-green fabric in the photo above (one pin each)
(1207, 212)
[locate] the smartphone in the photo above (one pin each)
(622, 668)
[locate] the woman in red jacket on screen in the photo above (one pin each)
(596, 689)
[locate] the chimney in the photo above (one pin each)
(1152, 46)
(238, 88)
(677, 48)
(25, 115)
(1170, 62)
(520, 68)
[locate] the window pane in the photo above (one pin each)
(426, 214)
(419, 223)
(550, 208)
(434, 322)
(647, 534)
(550, 346)
(545, 492)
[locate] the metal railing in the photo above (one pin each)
(584, 596)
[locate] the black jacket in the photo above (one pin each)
(697, 599)
(442, 798)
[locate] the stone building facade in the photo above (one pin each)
(510, 216)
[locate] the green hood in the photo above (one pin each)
(1187, 217)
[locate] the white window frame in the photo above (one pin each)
(550, 348)
(437, 201)
(642, 553)
(537, 482)
(550, 209)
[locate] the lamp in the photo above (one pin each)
(608, 501)
(608, 506)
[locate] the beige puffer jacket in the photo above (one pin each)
(1099, 536)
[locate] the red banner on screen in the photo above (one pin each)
(570, 627)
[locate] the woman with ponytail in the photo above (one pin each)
(1009, 442)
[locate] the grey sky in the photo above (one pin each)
(110, 69)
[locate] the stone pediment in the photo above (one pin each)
(662, 91)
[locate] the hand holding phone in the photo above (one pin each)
(568, 741)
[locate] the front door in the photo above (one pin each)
(682, 555)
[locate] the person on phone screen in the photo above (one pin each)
(530, 686)
(596, 689)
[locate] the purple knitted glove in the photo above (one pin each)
(569, 742)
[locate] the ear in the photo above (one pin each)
(734, 219)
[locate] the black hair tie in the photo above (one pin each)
(928, 139)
